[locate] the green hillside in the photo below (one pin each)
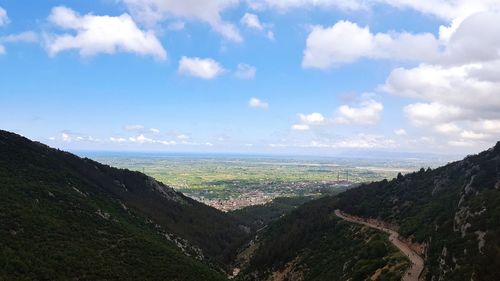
(453, 210)
(313, 244)
(66, 218)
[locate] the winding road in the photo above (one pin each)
(417, 263)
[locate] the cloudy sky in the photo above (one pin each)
(256, 76)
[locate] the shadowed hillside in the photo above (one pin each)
(64, 217)
(312, 243)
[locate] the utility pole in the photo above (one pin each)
(338, 176)
(347, 175)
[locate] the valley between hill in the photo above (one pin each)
(68, 218)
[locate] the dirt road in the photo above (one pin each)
(417, 262)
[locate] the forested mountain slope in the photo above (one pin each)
(453, 211)
(63, 217)
(312, 243)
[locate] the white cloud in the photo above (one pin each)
(152, 12)
(473, 135)
(202, 68)
(117, 139)
(489, 72)
(284, 5)
(473, 36)
(472, 39)
(141, 139)
(450, 93)
(447, 128)
(490, 126)
(4, 19)
(475, 39)
(183, 137)
(257, 103)
(134, 127)
(357, 141)
(300, 127)
(445, 32)
(484, 24)
(23, 37)
(326, 47)
(66, 137)
(346, 42)
(270, 35)
(368, 112)
(28, 36)
(460, 143)
(457, 95)
(176, 25)
(308, 120)
(141, 129)
(69, 137)
(312, 119)
(168, 143)
(252, 21)
(423, 114)
(101, 34)
(138, 128)
(400, 132)
(245, 71)
(444, 9)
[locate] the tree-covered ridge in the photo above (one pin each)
(259, 216)
(63, 217)
(312, 243)
(454, 210)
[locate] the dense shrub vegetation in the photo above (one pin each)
(259, 216)
(62, 218)
(454, 209)
(320, 246)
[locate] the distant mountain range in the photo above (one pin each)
(68, 218)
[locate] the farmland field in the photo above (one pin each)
(234, 181)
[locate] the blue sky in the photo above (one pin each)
(262, 76)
